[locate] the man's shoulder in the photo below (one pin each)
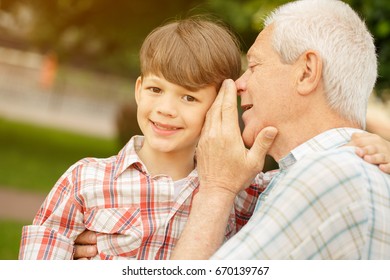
(343, 155)
(334, 174)
(335, 164)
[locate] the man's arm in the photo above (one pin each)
(225, 167)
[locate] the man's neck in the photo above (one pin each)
(290, 137)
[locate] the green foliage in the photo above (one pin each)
(376, 14)
(33, 158)
(245, 16)
(10, 235)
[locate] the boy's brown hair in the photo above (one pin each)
(193, 53)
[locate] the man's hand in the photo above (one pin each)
(223, 160)
(85, 246)
(373, 149)
(225, 167)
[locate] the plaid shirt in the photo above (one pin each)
(134, 214)
(326, 203)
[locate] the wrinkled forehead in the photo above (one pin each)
(263, 42)
(255, 49)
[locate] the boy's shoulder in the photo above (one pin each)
(94, 163)
(91, 165)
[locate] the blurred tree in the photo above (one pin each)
(245, 16)
(100, 33)
(126, 123)
(377, 16)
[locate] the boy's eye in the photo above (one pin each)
(155, 89)
(189, 98)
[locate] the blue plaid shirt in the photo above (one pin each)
(326, 203)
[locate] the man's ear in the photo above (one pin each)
(137, 88)
(310, 72)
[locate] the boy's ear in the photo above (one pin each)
(138, 84)
(310, 72)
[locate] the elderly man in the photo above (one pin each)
(311, 71)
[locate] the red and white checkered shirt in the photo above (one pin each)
(134, 214)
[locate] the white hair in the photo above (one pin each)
(347, 48)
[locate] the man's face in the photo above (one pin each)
(265, 88)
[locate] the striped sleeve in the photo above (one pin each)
(246, 200)
(58, 222)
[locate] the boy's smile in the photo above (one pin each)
(165, 129)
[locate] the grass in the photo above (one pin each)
(33, 157)
(10, 234)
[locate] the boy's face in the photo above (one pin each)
(170, 116)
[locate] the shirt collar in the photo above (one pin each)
(128, 155)
(327, 140)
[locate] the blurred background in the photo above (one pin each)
(67, 72)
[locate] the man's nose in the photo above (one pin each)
(241, 83)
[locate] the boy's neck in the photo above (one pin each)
(176, 165)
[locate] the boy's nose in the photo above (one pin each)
(167, 107)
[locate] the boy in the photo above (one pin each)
(138, 201)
